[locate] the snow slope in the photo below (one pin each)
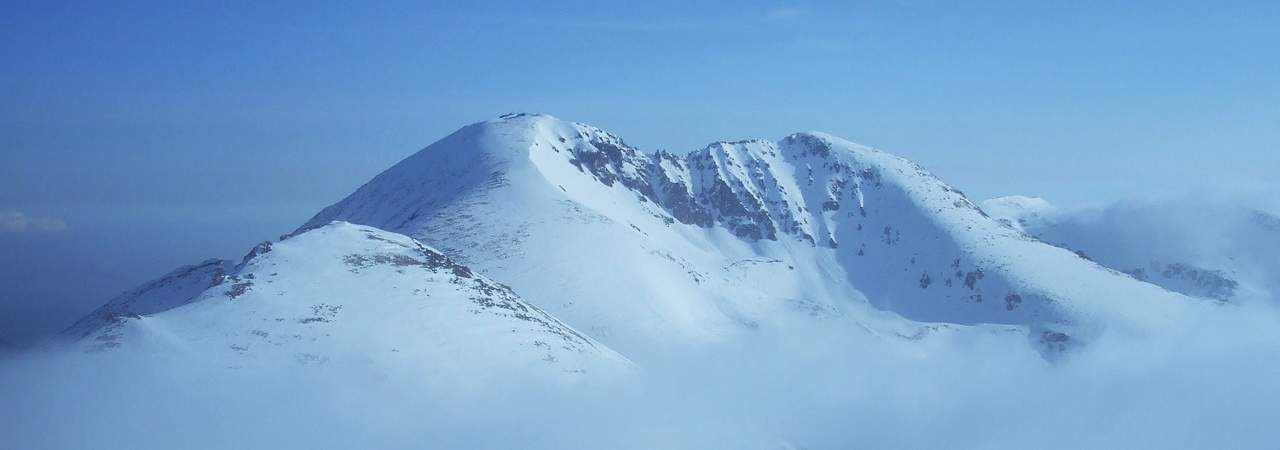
(347, 291)
(645, 251)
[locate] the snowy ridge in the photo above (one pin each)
(172, 290)
(343, 290)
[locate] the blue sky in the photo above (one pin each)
(139, 136)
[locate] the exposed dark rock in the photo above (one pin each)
(238, 288)
(1012, 301)
(261, 249)
(971, 278)
(1054, 343)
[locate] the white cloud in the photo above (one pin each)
(20, 222)
(1207, 382)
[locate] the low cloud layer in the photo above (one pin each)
(1205, 383)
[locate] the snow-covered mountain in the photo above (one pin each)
(642, 252)
(489, 289)
(647, 250)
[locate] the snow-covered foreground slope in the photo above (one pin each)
(346, 291)
(649, 251)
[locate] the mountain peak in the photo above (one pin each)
(882, 224)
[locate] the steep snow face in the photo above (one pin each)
(347, 291)
(1212, 251)
(636, 249)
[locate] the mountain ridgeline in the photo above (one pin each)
(611, 249)
(879, 223)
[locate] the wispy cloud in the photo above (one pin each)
(20, 222)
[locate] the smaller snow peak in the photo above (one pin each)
(1019, 212)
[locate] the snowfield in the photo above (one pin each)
(537, 283)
